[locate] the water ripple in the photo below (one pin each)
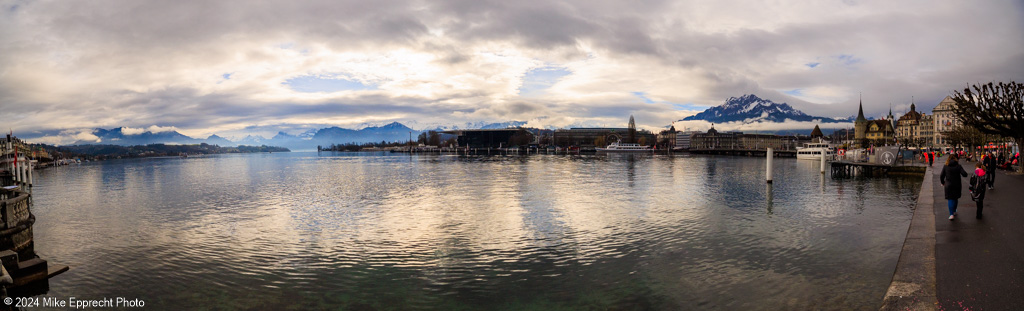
(429, 232)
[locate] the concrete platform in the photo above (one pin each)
(966, 263)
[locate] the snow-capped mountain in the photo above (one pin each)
(117, 136)
(460, 126)
(252, 140)
(307, 140)
(750, 108)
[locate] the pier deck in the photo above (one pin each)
(852, 168)
(966, 263)
(746, 152)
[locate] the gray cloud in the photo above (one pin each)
(75, 65)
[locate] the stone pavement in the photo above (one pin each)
(967, 263)
(980, 262)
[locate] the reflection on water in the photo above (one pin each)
(380, 231)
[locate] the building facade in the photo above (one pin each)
(715, 140)
(879, 132)
(492, 138)
(872, 132)
(927, 130)
(909, 128)
(944, 120)
(683, 139)
(667, 138)
(592, 136)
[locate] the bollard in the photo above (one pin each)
(823, 160)
(768, 173)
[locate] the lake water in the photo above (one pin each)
(394, 232)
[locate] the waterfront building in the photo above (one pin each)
(927, 130)
(602, 136)
(713, 139)
(492, 138)
(667, 138)
(908, 128)
(944, 120)
(591, 136)
(683, 139)
(877, 132)
(763, 141)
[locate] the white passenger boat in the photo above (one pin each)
(813, 150)
(623, 147)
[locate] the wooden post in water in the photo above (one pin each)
(823, 160)
(768, 172)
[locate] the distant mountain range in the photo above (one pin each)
(747, 109)
(750, 108)
(308, 140)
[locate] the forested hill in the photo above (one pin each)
(155, 150)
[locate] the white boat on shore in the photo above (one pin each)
(813, 150)
(622, 147)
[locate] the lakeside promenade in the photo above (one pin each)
(967, 263)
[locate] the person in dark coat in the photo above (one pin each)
(990, 169)
(950, 180)
(977, 188)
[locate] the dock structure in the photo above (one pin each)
(22, 272)
(744, 152)
(843, 169)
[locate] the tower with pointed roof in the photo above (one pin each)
(632, 130)
(860, 126)
(892, 119)
(816, 132)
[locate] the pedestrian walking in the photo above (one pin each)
(977, 188)
(990, 169)
(931, 158)
(950, 180)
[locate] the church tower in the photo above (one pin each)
(860, 126)
(632, 130)
(892, 120)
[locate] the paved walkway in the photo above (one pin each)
(979, 263)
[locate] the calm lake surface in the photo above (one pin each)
(394, 232)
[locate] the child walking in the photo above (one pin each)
(977, 187)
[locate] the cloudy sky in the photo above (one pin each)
(238, 67)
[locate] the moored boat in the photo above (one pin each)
(625, 147)
(813, 150)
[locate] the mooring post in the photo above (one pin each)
(768, 173)
(823, 160)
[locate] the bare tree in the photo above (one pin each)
(993, 109)
(966, 137)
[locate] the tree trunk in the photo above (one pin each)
(1020, 162)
